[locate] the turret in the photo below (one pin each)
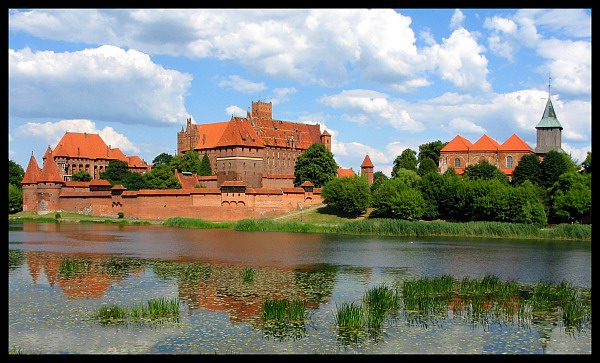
(29, 185)
(48, 187)
(326, 139)
(366, 169)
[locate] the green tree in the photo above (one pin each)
(316, 165)
(587, 163)
(527, 169)
(349, 195)
(407, 160)
(15, 173)
(432, 186)
(378, 178)
(382, 197)
(15, 199)
(136, 181)
(81, 175)
(554, 165)
(162, 177)
(162, 158)
(205, 169)
(485, 170)
(409, 177)
(427, 166)
(115, 172)
(431, 150)
(570, 197)
(408, 203)
(190, 162)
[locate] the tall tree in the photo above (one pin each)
(349, 195)
(15, 173)
(485, 170)
(162, 158)
(587, 163)
(527, 169)
(316, 165)
(15, 199)
(426, 166)
(162, 177)
(431, 150)
(205, 169)
(136, 181)
(190, 161)
(553, 166)
(115, 172)
(378, 178)
(407, 160)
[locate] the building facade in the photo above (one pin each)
(459, 153)
(256, 149)
(88, 152)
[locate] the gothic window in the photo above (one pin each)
(509, 162)
(457, 163)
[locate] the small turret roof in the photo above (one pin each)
(549, 119)
(32, 173)
(367, 162)
(50, 173)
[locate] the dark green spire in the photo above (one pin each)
(549, 119)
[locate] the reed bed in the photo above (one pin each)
(70, 267)
(283, 318)
(190, 272)
(155, 309)
(195, 223)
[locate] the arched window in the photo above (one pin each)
(509, 162)
(457, 163)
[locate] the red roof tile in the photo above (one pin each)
(135, 161)
(279, 133)
(515, 143)
(77, 184)
(32, 173)
(99, 182)
(345, 173)
(50, 172)
(367, 163)
(187, 181)
(210, 134)
(233, 183)
(485, 143)
(307, 183)
(239, 132)
(459, 143)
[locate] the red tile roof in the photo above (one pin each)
(210, 134)
(135, 162)
(99, 182)
(279, 133)
(515, 143)
(344, 173)
(50, 173)
(367, 163)
(307, 183)
(459, 143)
(32, 173)
(485, 143)
(239, 132)
(187, 181)
(233, 183)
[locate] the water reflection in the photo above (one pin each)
(60, 274)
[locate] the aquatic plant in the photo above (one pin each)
(248, 275)
(70, 267)
(154, 309)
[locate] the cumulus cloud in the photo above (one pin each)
(105, 84)
(298, 44)
(239, 84)
(457, 20)
(461, 126)
(371, 106)
(280, 95)
(459, 60)
(52, 132)
(235, 111)
(570, 64)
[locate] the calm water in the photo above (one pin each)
(51, 313)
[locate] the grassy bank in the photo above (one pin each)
(322, 220)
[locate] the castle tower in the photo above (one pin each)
(326, 139)
(29, 185)
(366, 169)
(262, 110)
(48, 187)
(548, 131)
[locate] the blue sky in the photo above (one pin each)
(378, 80)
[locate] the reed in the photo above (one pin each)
(350, 316)
(112, 314)
(70, 267)
(248, 275)
(284, 310)
(154, 309)
(195, 223)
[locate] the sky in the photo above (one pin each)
(378, 80)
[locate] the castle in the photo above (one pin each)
(459, 153)
(252, 159)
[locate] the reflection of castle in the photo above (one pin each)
(460, 152)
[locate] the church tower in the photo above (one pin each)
(366, 169)
(548, 131)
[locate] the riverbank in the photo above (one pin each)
(321, 220)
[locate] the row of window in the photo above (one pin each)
(509, 162)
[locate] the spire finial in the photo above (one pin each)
(549, 79)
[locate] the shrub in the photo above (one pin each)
(121, 215)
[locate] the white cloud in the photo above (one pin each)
(570, 22)
(104, 84)
(371, 106)
(235, 111)
(280, 95)
(457, 20)
(239, 84)
(461, 126)
(570, 65)
(52, 132)
(459, 61)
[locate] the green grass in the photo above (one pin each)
(155, 309)
(195, 223)
(284, 311)
(248, 275)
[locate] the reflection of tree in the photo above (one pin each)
(316, 285)
(15, 259)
